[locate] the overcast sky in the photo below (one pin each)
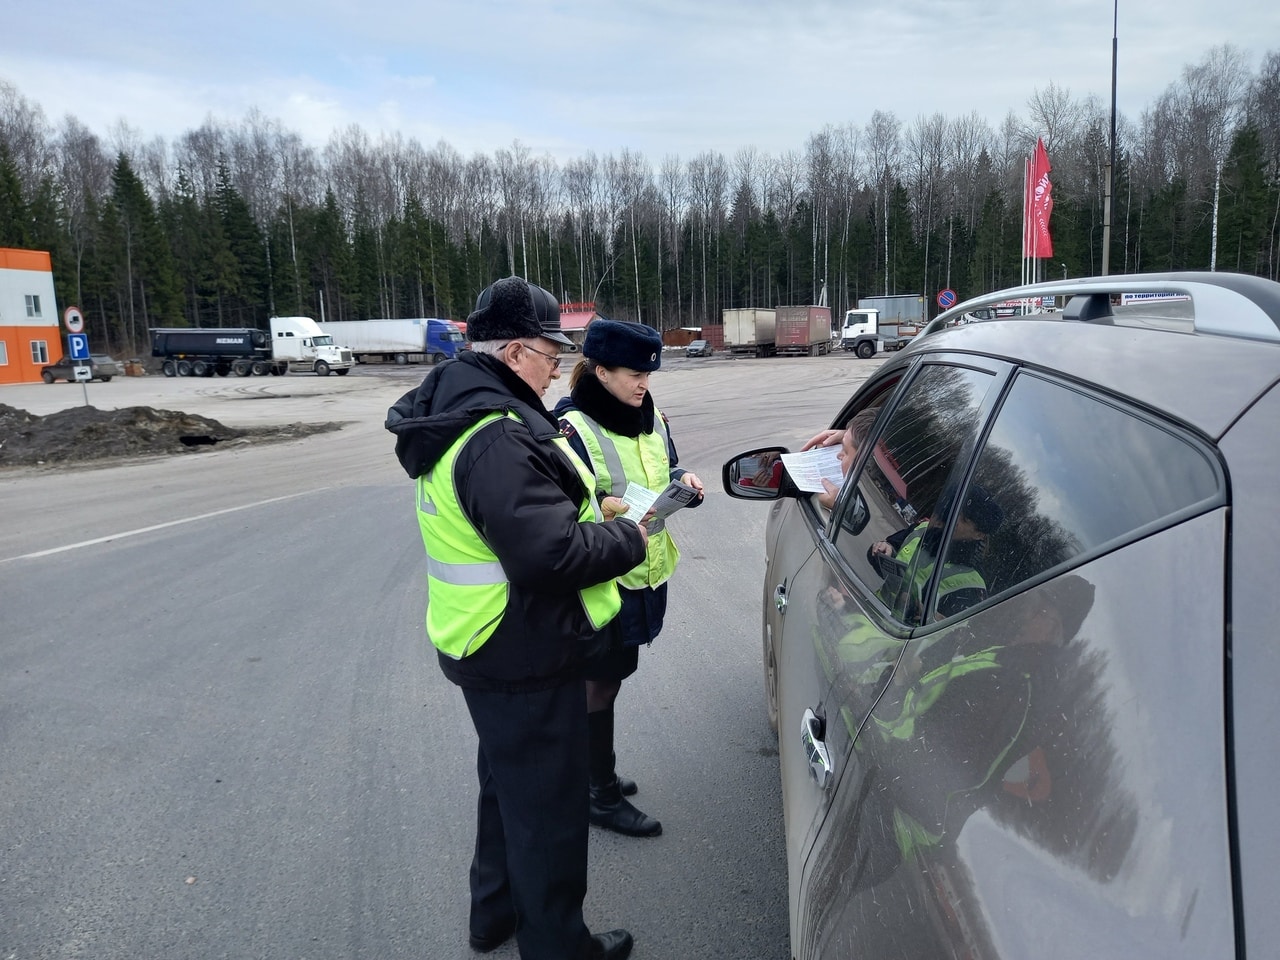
(564, 77)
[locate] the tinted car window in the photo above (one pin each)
(1063, 473)
(888, 530)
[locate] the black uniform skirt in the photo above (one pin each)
(614, 652)
(608, 657)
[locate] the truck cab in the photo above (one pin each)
(299, 342)
(444, 340)
(861, 332)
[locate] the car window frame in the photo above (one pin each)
(1128, 407)
(1002, 372)
(1007, 373)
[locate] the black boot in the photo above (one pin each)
(614, 945)
(609, 809)
(600, 751)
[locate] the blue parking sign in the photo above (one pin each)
(78, 344)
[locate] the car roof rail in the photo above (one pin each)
(1229, 304)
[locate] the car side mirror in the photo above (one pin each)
(757, 475)
(856, 515)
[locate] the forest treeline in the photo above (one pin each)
(229, 225)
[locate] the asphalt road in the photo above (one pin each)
(223, 733)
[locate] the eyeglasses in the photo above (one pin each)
(553, 357)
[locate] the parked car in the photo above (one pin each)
(103, 368)
(698, 348)
(1024, 671)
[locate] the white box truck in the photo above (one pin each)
(750, 330)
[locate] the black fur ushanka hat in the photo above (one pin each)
(515, 309)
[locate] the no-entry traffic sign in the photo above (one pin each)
(73, 319)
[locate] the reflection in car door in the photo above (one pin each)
(799, 685)
(856, 627)
(816, 732)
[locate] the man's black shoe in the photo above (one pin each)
(609, 809)
(614, 945)
(627, 787)
(484, 943)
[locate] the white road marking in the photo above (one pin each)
(158, 526)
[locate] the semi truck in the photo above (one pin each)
(749, 330)
(292, 343)
(861, 332)
(892, 321)
(803, 331)
(397, 341)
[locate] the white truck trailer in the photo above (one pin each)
(397, 341)
(750, 330)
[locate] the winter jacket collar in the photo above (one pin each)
(455, 394)
(592, 398)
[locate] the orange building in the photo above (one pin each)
(30, 335)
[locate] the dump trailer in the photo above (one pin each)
(803, 331)
(397, 341)
(292, 343)
(900, 317)
(749, 330)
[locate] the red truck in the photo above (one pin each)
(803, 331)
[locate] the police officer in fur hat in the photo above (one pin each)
(611, 420)
(521, 576)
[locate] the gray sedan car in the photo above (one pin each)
(101, 367)
(1024, 670)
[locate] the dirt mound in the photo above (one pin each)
(87, 434)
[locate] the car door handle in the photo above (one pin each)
(812, 730)
(780, 597)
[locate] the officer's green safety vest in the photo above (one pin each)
(643, 460)
(955, 576)
(467, 589)
(911, 835)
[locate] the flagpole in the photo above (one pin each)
(1035, 227)
(1111, 164)
(1026, 212)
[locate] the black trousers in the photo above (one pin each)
(530, 862)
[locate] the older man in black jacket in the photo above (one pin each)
(520, 575)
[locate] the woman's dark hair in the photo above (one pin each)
(579, 368)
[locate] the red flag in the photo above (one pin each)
(1041, 201)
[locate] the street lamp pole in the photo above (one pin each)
(1111, 163)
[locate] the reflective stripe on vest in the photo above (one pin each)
(644, 459)
(924, 693)
(911, 835)
(955, 576)
(467, 589)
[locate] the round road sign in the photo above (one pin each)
(946, 298)
(73, 319)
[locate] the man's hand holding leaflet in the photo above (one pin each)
(809, 467)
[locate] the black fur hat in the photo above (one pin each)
(515, 309)
(613, 343)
